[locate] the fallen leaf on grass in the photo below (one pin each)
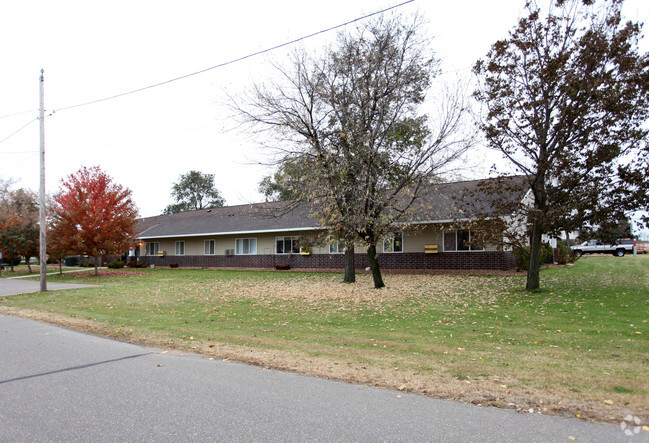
(608, 402)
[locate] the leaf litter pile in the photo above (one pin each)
(477, 339)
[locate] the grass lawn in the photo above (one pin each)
(23, 270)
(578, 347)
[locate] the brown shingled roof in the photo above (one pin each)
(257, 217)
(441, 202)
(438, 202)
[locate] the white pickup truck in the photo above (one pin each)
(618, 248)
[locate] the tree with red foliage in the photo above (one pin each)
(92, 215)
(18, 224)
(20, 239)
(59, 245)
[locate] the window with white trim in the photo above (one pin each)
(210, 247)
(393, 242)
(180, 248)
(459, 241)
(245, 246)
(287, 245)
(335, 248)
(152, 248)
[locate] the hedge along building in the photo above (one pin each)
(281, 234)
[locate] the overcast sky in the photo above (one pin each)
(92, 50)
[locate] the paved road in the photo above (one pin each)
(11, 286)
(60, 385)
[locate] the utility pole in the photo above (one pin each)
(42, 210)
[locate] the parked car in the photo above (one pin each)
(618, 248)
(640, 246)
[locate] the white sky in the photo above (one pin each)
(92, 50)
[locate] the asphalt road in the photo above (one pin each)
(61, 385)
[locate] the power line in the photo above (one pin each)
(15, 166)
(16, 132)
(230, 62)
(18, 113)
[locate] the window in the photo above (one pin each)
(334, 248)
(287, 245)
(393, 242)
(180, 248)
(210, 247)
(459, 241)
(152, 248)
(246, 246)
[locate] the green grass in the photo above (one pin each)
(581, 341)
(23, 270)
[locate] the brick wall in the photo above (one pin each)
(490, 260)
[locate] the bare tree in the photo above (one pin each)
(351, 118)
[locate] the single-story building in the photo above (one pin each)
(267, 235)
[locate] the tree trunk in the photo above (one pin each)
(374, 266)
(533, 272)
(96, 265)
(61, 266)
(350, 264)
(29, 266)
